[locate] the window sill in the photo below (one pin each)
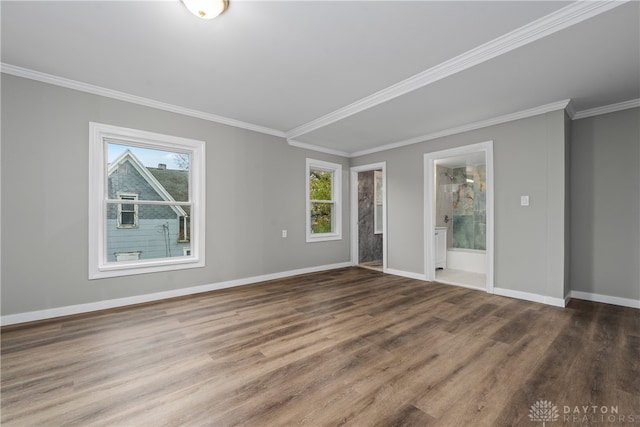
(127, 268)
(323, 237)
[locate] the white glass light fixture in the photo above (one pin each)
(206, 9)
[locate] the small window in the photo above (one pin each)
(147, 202)
(127, 212)
(323, 196)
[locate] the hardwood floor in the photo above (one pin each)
(344, 347)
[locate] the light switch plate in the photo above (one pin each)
(524, 200)
(284, 234)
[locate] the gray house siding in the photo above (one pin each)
(154, 238)
(126, 179)
(157, 231)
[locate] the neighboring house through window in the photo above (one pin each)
(184, 225)
(146, 202)
(323, 201)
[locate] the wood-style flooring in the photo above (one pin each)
(345, 347)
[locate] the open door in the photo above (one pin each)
(368, 216)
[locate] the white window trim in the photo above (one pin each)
(336, 194)
(99, 135)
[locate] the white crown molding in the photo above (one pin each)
(543, 109)
(317, 148)
(566, 104)
(570, 109)
(134, 99)
(632, 103)
(570, 15)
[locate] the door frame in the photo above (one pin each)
(430, 206)
(355, 239)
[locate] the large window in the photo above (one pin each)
(147, 201)
(323, 197)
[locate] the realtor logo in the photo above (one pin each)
(544, 410)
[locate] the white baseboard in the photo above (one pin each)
(625, 302)
(31, 316)
(556, 302)
(408, 274)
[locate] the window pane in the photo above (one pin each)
(159, 233)
(128, 218)
(321, 217)
(320, 185)
(152, 174)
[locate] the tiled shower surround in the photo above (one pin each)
(461, 196)
(369, 243)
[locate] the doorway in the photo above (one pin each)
(368, 216)
(459, 226)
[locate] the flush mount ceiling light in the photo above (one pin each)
(206, 9)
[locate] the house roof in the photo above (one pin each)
(345, 77)
(175, 181)
(171, 178)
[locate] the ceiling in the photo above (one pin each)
(347, 77)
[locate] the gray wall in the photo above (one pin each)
(255, 188)
(568, 129)
(529, 158)
(605, 188)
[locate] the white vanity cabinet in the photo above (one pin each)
(440, 241)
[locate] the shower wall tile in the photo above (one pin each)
(463, 232)
(480, 231)
(369, 243)
(469, 201)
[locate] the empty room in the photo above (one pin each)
(319, 213)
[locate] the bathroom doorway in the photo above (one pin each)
(368, 216)
(459, 216)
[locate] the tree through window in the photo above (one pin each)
(323, 200)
